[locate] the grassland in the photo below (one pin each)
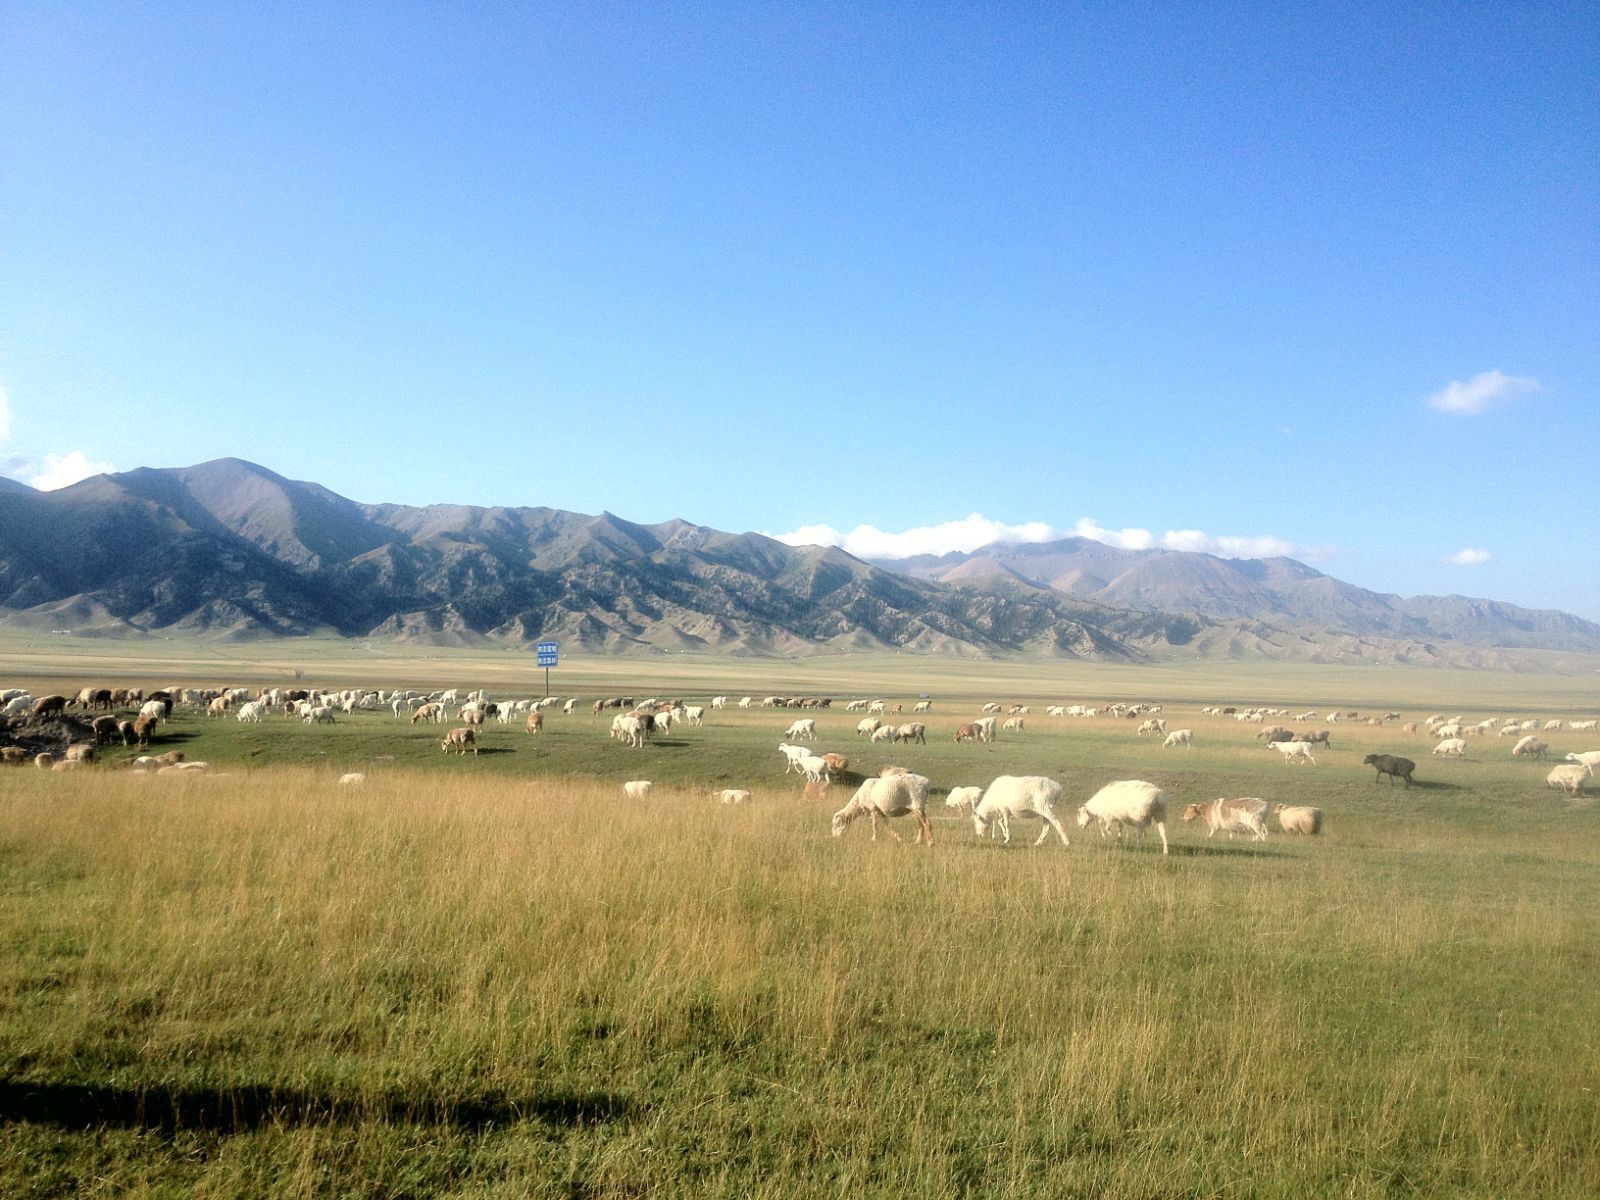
(494, 977)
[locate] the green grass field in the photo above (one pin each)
(496, 977)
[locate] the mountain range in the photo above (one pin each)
(230, 549)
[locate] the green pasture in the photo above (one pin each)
(496, 977)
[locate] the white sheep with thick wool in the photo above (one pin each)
(1127, 802)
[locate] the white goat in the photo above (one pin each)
(1127, 802)
(1294, 751)
(1020, 796)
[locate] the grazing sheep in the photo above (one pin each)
(1530, 747)
(792, 756)
(963, 799)
(922, 706)
(868, 725)
(637, 789)
(1450, 730)
(987, 724)
(884, 733)
(1451, 747)
(885, 797)
(320, 713)
(459, 739)
(912, 731)
(1127, 802)
(1178, 737)
(1392, 766)
(350, 777)
(13, 756)
(44, 760)
(970, 732)
(1569, 777)
(1246, 814)
(734, 796)
(814, 768)
(1316, 737)
(836, 763)
(142, 729)
(1013, 723)
(805, 728)
(105, 729)
(1153, 725)
(1300, 819)
(49, 706)
(1294, 752)
(1020, 796)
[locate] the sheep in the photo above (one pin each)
(321, 713)
(1392, 766)
(1020, 796)
(432, 712)
(888, 796)
(1316, 737)
(459, 739)
(1588, 758)
(922, 706)
(963, 799)
(1274, 733)
(1299, 819)
(1127, 802)
(1246, 814)
(694, 714)
(1012, 723)
(1568, 777)
(868, 726)
(1451, 729)
(1581, 726)
(836, 763)
(970, 732)
(1530, 747)
(912, 731)
(813, 768)
(48, 706)
(991, 707)
(142, 729)
(350, 777)
(535, 722)
(1293, 752)
(251, 712)
(735, 796)
(1451, 747)
(805, 728)
(987, 724)
(1178, 737)
(637, 789)
(884, 733)
(1153, 725)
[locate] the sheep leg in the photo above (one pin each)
(1053, 823)
(1162, 830)
(927, 829)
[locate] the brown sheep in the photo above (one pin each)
(141, 730)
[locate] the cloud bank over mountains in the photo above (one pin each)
(976, 530)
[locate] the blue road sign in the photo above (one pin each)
(547, 652)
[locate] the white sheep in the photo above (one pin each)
(321, 713)
(1178, 737)
(1299, 819)
(1020, 796)
(792, 756)
(814, 768)
(1451, 729)
(1569, 777)
(352, 777)
(1247, 814)
(735, 796)
(637, 789)
(1530, 747)
(1456, 747)
(868, 726)
(805, 728)
(1294, 752)
(1588, 758)
(1127, 802)
(1582, 726)
(694, 714)
(963, 799)
(251, 712)
(888, 796)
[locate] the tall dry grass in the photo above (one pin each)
(267, 984)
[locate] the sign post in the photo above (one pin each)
(547, 654)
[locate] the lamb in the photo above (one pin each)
(1569, 777)
(963, 799)
(142, 728)
(322, 713)
(1127, 802)
(1246, 814)
(535, 722)
(970, 732)
(836, 763)
(1012, 723)
(459, 739)
(1530, 747)
(1392, 766)
(1299, 819)
(1451, 747)
(1153, 725)
(884, 733)
(1178, 737)
(251, 711)
(1020, 796)
(922, 706)
(813, 767)
(694, 714)
(1294, 751)
(805, 728)
(637, 789)
(888, 796)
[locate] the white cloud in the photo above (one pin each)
(61, 471)
(1482, 392)
(868, 541)
(1467, 558)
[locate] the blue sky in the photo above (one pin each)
(1310, 279)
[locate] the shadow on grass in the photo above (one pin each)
(235, 1110)
(1183, 850)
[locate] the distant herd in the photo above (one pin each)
(66, 732)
